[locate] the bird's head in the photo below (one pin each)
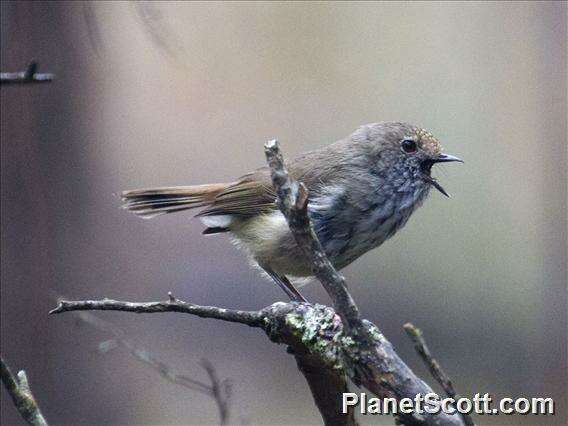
(406, 151)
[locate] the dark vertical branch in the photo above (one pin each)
(327, 387)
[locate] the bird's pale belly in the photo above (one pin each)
(270, 243)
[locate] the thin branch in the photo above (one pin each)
(250, 318)
(293, 202)
(436, 370)
(417, 338)
(30, 75)
(19, 389)
(140, 354)
(220, 391)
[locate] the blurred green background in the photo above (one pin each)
(152, 94)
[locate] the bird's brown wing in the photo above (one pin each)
(252, 194)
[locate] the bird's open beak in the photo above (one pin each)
(442, 158)
(446, 158)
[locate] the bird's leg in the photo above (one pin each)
(285, 284)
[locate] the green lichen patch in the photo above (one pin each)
(319, 330)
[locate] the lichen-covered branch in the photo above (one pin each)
(19, 390)
(436, 370)
(325, 355)
(30, 75)
(308, 330)
(310, 333)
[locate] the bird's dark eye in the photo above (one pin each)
(408, 146)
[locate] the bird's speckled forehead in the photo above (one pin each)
(392, 133)
(428, 142)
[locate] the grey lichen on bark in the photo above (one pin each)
(319, 330)
(313, 335)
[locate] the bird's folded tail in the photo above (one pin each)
(148, 203)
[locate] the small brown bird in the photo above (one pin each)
(362, 189)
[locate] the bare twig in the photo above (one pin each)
(417, 338)
(30, 75)
(220, 391)
(19, 389)
(250, 318)
(436, 370)
(140, 354)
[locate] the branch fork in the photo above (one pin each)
(329, 344)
